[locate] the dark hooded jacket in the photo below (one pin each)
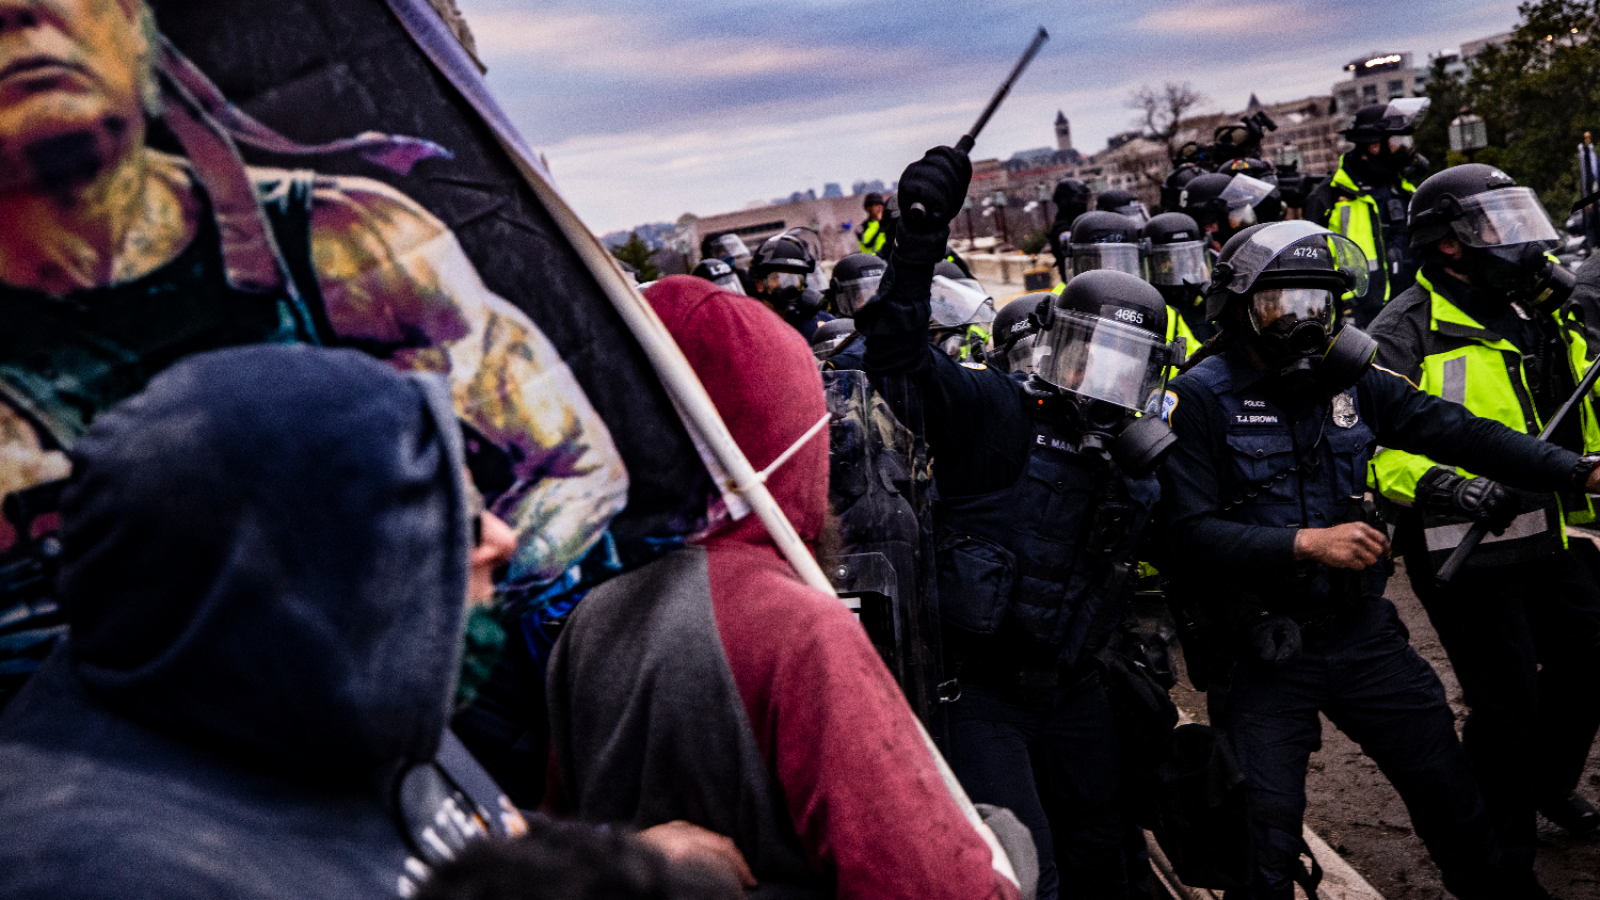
(715, 686)
(264, 575)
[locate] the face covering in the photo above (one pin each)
(1503, 272)
(485, 637)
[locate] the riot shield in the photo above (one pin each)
(878, 567)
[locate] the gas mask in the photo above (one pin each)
(782, 291)
(1516, 272)
(1291, 335)
(1398, 152)
(1291, 327)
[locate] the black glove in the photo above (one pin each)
(931, 192)
(1442, 492)
(1275, 639)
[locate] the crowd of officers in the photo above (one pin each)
(247, 647)
(1248, 413)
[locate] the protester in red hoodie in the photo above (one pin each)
(716, 687)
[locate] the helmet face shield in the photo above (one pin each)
(850, 296)
(955, 305)
(1401, 143)
(1102, 360)
(1116, 257)
(1188, 262)
(1325, 253)
(734, 251)
(729, 282)
(1244, 191)
(1402, 113)
(1503, 217)
(1290, 305)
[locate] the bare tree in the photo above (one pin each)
(1161, 114)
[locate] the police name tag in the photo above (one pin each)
(1344, 411)
(1255, 419)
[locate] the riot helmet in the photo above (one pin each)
(855, 282)
(1180, 253)
(728, 248)
(1227, 201)
(720, 274)
(1107, 341)
(1379, 121)
(1290, 277)
(1503, 230)
(1016, 326)
(1106, 240)
(1391, 126)
(830, 334)
(1270, 207)
(1104, 350)
(1124, 203)
(958, 303)
(1177, 179)
(960, 312)
(872, 199)
(780, 268)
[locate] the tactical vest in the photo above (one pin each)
(66, 360)
(1303, 471)
(872, 237)
(1355, 215)
(1050, 552)
(1467, 364)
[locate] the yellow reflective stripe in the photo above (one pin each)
(872, 237)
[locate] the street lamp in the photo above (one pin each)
(1468, 134)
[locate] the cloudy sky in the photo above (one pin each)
(647, 109)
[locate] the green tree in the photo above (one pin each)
(1537, 94)
(635, 252)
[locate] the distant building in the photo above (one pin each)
(1378, 78)
(831, 189)
(875, 186)
(1063, 131)
(833, 218)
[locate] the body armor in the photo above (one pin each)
(1307, 470)
(1050, 553)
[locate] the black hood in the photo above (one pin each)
(266, 552)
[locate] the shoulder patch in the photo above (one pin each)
(976, 367)
(1169, 402)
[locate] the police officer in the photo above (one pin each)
(1268, 535)
(961, 312)
(780, 270)
(855, 281)
(1485, 326)
(720, 274)
(1180, 267)
(874, 233)
(1270, 207)
(1106, 240)
(1042, 491)
(1016, 328)
(1365, 199)
(1071, 198)
(730, 249)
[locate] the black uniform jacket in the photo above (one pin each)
(1197, 474)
